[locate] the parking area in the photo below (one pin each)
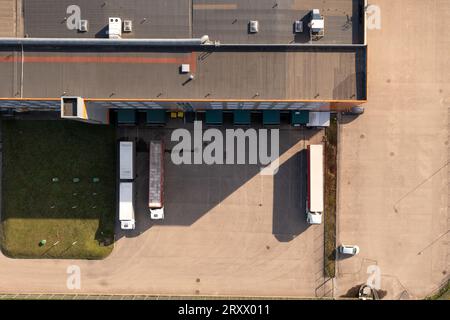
(393, 162)
(10, 21)
(228, 230)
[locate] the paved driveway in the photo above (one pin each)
(393, 162)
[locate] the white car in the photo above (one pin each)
(348, 249)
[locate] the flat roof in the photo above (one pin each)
(223, 20)
(227, 21)
(305, 73)
(333, 68)
(151, 19)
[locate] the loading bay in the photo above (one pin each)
(228, 231)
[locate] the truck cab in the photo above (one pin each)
(127, 225)
(313, 217)
(157, 213)
(126, 206)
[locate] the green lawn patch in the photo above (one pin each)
(75, 218)
(330, 197)
(442, 294)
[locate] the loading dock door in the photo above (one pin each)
(127, 117)
(214, 117)
(299, 118)
(271, 117)
(241, 117)
(157, 116)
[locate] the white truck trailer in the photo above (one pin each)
(126, 206)
(126, 160)
(156, 180)
(314, 201)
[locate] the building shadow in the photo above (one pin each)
(353, 86)
(357, 21)
(348, 118)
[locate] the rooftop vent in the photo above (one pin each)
(185, 68)
(84, 26)
(127, 26)
(253, 26)
(298, 26)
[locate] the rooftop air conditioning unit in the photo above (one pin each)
(83, 26)
(317, 25)
(253, 26)
(127, 26)
(185, 68)
(298, 26)
(115, 28)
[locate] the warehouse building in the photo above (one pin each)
(90, 57)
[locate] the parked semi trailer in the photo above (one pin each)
(314, 200)
(156, 180)
(126, 185)
(126, 160)
(126, 206)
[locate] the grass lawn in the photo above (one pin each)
(80, 216)
(330, 197)
(442, 294)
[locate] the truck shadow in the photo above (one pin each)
(289, 198)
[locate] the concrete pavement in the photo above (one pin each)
(231, 232)
(393, 161)
(11, 24)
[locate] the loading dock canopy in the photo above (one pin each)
(126, 116)
(241, 117)
(271, 117)
(319, 119)
(214, 117)
(157, 116)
